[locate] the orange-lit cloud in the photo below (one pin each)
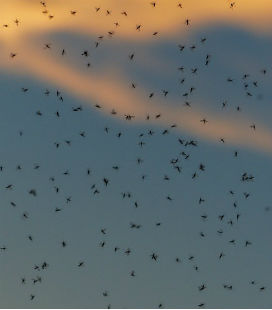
(110, 89)
(166, 18)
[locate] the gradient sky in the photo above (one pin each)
(239, 42)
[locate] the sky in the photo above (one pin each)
(75, 106)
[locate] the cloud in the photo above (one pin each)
(166, 18)
(109, 88)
